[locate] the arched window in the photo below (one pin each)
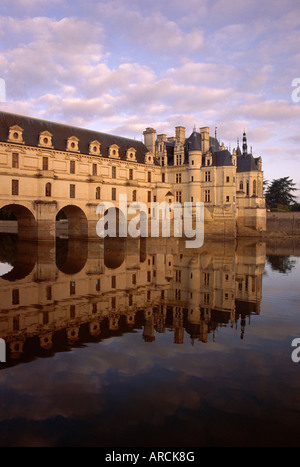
(134, 195)
(247, 189)
(241, 186)
(48, 189)
(98, 192)
(254, 187)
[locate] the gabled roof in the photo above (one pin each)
(33, 127)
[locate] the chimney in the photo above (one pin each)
(204, 132)
(149, 139)
(180, 134)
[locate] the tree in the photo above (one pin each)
(279, 193)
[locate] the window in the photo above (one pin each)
(98, 192)
(206, 278)
(16, 323)
(247, 189)
(72, 167)
(48, 189)
(178, 178)
(163, 178)
(178, 196)
(94, 169)
(207, 176)
(45, 163)
(178, 159)
(49, 292)
(149, 196)
(72, 288)
(241, 186)
(149, 177)
(207, 196)
(15, 297)
(114, 194)
(72, 191)
(113, 282)
(133, 279)
(130, 301)
(72, 311)
(98, 285)
(134, 195)
(227, 179)
(192, 178)
(130, 174)
(45, 317)
(227, 199)
(113, 172)
(149, 276)
(15, 161)
(15, 187)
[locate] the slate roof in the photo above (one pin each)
(193, 142)
(246, 163)
(33, 127)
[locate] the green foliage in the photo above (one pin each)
(295, 207)
(279, 194)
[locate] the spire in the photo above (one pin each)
(245, 147)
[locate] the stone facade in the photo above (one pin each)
(47, 168)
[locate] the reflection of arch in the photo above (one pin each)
(21, 255)
(114, 252)
(77, 221)
(27, 226)
(71, 255)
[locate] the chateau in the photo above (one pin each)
(48, 168)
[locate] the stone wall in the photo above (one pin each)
(283, 224)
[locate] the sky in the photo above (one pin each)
(120, 66)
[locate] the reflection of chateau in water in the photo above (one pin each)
(86, 292)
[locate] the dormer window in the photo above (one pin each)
(15, 134)
(94, 148)
(72, 144)
(45, 139)
(113, 151)
(208, 160)
(131, 154)
(149, 158)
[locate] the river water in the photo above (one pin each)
(147, 343)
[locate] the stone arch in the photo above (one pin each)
(77, 223)
(27, 225)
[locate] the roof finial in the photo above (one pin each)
(245, 147)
